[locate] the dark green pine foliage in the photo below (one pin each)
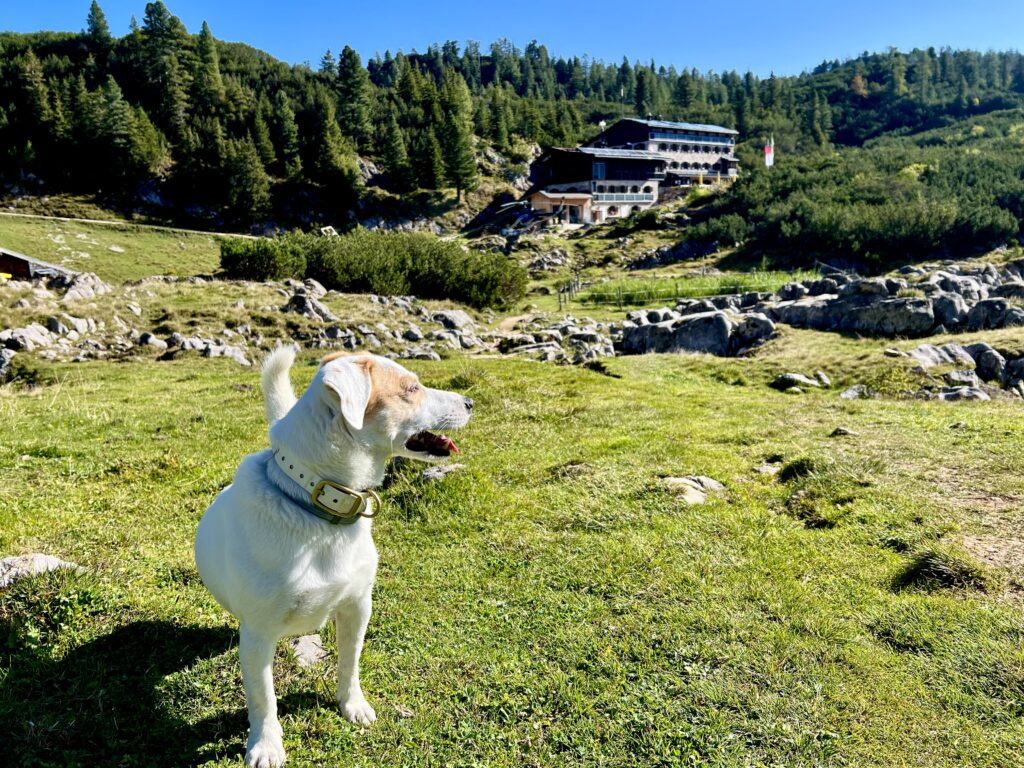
(457, 133)
(353, 87)
(329, 158)
(208, 95)
(287, 131)
(395, 156)
(261, 136)
(97, 31)
(248, 197)
(164, 38)
(427, 160)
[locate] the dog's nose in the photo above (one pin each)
(469, 403)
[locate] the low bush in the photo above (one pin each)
(261, 258)
(393, 263)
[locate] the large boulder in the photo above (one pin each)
(986, 314)
(84, 285)
(1009, 290)
(703, 332)
(950, 309)
(869, 286)
(27, 339)
(454, 319)
(6, 357)
(792, 291)
(928, 355)
(988, 363)
(894, 317)
(970, 288)
(307, 306)
(752, 329)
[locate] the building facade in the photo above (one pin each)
(621, 170)
(694, 153)
(591, 185)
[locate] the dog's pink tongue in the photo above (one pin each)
(446, 443)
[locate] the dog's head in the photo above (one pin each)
(383, 404)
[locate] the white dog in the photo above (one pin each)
(288, 544)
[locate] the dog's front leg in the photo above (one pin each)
(350, 621)
(256, 653)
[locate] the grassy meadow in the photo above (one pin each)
(117, 252)
(553, 604)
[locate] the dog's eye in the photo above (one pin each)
(413, 388)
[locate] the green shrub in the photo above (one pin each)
(392, 263)
(262, 258)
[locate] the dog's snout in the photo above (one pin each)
(468, 401)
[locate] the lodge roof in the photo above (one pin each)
(683, 126)
(627, 154)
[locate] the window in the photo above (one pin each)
(600, 187)
(647, 190)
(622, 189)
(599, 170)
(663, 147)
(613, 210)
(675, 164)
(636, 209)
(635, 189)
(675, 147)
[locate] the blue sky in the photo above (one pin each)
(787, 36)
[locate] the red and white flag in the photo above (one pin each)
(769, 152)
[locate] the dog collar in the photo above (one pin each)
(336, 503)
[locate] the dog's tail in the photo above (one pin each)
(278, 395)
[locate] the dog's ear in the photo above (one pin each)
(350, 381)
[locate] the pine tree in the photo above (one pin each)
(683, 93)
(248, 197)
(98, 31)
(116, 132)
(354, 98)
(148, 148)
(262, 141)
(427, 162)
(287, 135)
(207, 86)
(163, 37)
(395, 156)
(499, 119)
(331, 159)
(457, 132)
(328, 66)
(642, 102)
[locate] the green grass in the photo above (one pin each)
(552, 604)
(642, 291)
(87, 247)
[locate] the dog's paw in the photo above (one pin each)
(358, 710)
(267, 752)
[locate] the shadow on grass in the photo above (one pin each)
(102, 703)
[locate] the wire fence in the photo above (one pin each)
(639, 293)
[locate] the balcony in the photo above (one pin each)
(629, 197)
(690, 137)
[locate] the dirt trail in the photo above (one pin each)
(509, 323)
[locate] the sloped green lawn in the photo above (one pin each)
(552, 604)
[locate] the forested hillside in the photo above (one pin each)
(194, 129)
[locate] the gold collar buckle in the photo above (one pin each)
(358, 508)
